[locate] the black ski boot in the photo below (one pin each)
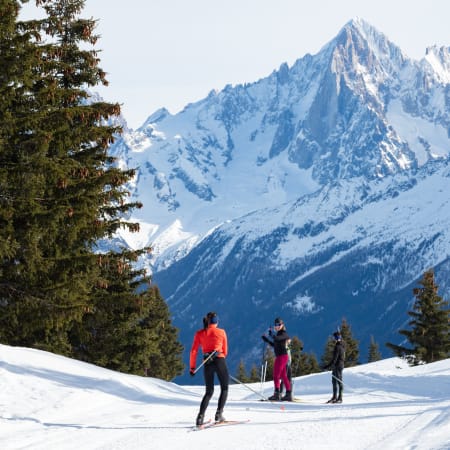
(338, 400)
(199, 420)
(287, 397)
(332, 400)
(218, 417)
(276, 395)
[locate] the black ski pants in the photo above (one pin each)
(217, 366)
(336, 380)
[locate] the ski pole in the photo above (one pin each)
(263, 359)
(263, 365)
(257, 393)
(338, 380)
(248, 387)
(263, 375)
(205, 361)
(261, 379)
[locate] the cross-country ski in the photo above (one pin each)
(224, 423)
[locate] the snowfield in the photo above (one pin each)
(52, 402)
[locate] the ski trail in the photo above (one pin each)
(429, 425)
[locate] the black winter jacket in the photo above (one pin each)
(338, 356)
(279, 342)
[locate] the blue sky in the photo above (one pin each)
(172, 52)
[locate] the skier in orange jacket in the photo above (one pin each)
(213, 341)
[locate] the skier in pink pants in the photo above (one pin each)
(278, 339)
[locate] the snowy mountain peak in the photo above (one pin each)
(361, 49)
(360, 30)
(157, 116)
(359, 108)
(439, 60)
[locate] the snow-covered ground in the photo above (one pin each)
(51, 402)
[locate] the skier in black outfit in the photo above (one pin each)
(337, 366)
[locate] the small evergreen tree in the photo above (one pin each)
(241, 374)
(130, 333)
(351, 345)
(166, 362)
(255, 374)
(327, 355)
(307, 364)
(302, 363)
(374, 352)
(313, 363)
(430, 330)
(297, 359)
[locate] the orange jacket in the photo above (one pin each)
(211, 339)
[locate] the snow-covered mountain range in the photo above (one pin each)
(316, 193)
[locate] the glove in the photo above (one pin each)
(192, 372)
(270, 332)
(264, 338)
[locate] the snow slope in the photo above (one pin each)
(55, 403)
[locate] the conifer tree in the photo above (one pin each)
(307, 364)
(73, 194)
(255, 374)
(374, 352)
(61, 194)
(242, 372)
(26, 305)
(328, 352)
(302, 363)
(16, 51)
(313, 364)
(297, 357)
(166, 361)
(429, 335)
(351, 345)
(129, 332)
